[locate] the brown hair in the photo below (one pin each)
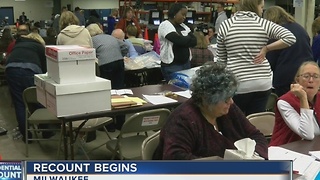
(316, 26)
(249, 5)
(127, 9)
(131, 30)
(68, 18)
(278, 15)
(201, 40)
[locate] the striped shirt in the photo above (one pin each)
(241, 38)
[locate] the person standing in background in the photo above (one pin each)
(112, 20)
(222, 16)
(242, 45)
(23, 18)
(129, 18)
(80, 16)
(316, 40)
(176, 39)
(292, 56)
(56, 20)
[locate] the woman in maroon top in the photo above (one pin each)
(208, 123)
(128, 18)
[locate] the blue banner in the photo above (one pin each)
(11, 170)
(159, 167)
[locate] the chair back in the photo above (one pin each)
(149, 145)
(271, 103)
(145, 121)
(264, 121)
(30, 99)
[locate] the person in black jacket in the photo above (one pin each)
(26, 59)
(285, 62)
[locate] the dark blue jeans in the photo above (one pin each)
(253, 102)
(18, 80)
(167, 70)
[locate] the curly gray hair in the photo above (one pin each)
(213, 83)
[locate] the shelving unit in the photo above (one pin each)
(204, 15)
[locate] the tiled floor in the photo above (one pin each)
(11, 149)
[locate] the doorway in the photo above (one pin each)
(7, 14)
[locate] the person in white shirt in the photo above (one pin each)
(298, 111)
(221, 16)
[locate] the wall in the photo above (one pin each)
(39, 10)
(95, 4)
(34, 9)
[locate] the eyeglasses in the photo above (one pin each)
(307, 76)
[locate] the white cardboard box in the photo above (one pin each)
(76, 71)
(70, 52)
(79, 98)
(40, 81)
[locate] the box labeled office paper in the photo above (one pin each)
(70, 52)
(40, 81)
(78, 98)
(71, 71)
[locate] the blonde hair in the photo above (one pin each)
(249, 5)
(316, 26)
(35, 36)
(201, 40)
(68, 18)
(302, 66)
(278, 15)
(94, 29)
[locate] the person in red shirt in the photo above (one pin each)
(129, 18)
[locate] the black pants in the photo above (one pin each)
(253, 102)
(114, 71)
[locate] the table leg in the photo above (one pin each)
(71, 141)
(65, 140)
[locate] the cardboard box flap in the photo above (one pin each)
(75, 88)
(40, 79)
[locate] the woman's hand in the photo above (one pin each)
(298, 90)
(261, 56)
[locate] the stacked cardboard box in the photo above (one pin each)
(70, 86)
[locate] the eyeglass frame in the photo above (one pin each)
(307, 76)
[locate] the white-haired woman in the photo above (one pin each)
(209, 122)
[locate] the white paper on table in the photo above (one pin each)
(301, 162)
(186, 93)
(121, 92)
(158, 99)
(315, 154)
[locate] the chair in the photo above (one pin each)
(149, 145)
(264, 121)
(85, 126)
(129, 142)
(272, 100)
(36, 116)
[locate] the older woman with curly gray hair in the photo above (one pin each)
(209, 122)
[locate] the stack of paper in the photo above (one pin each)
(158, 99)
(124, 102)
